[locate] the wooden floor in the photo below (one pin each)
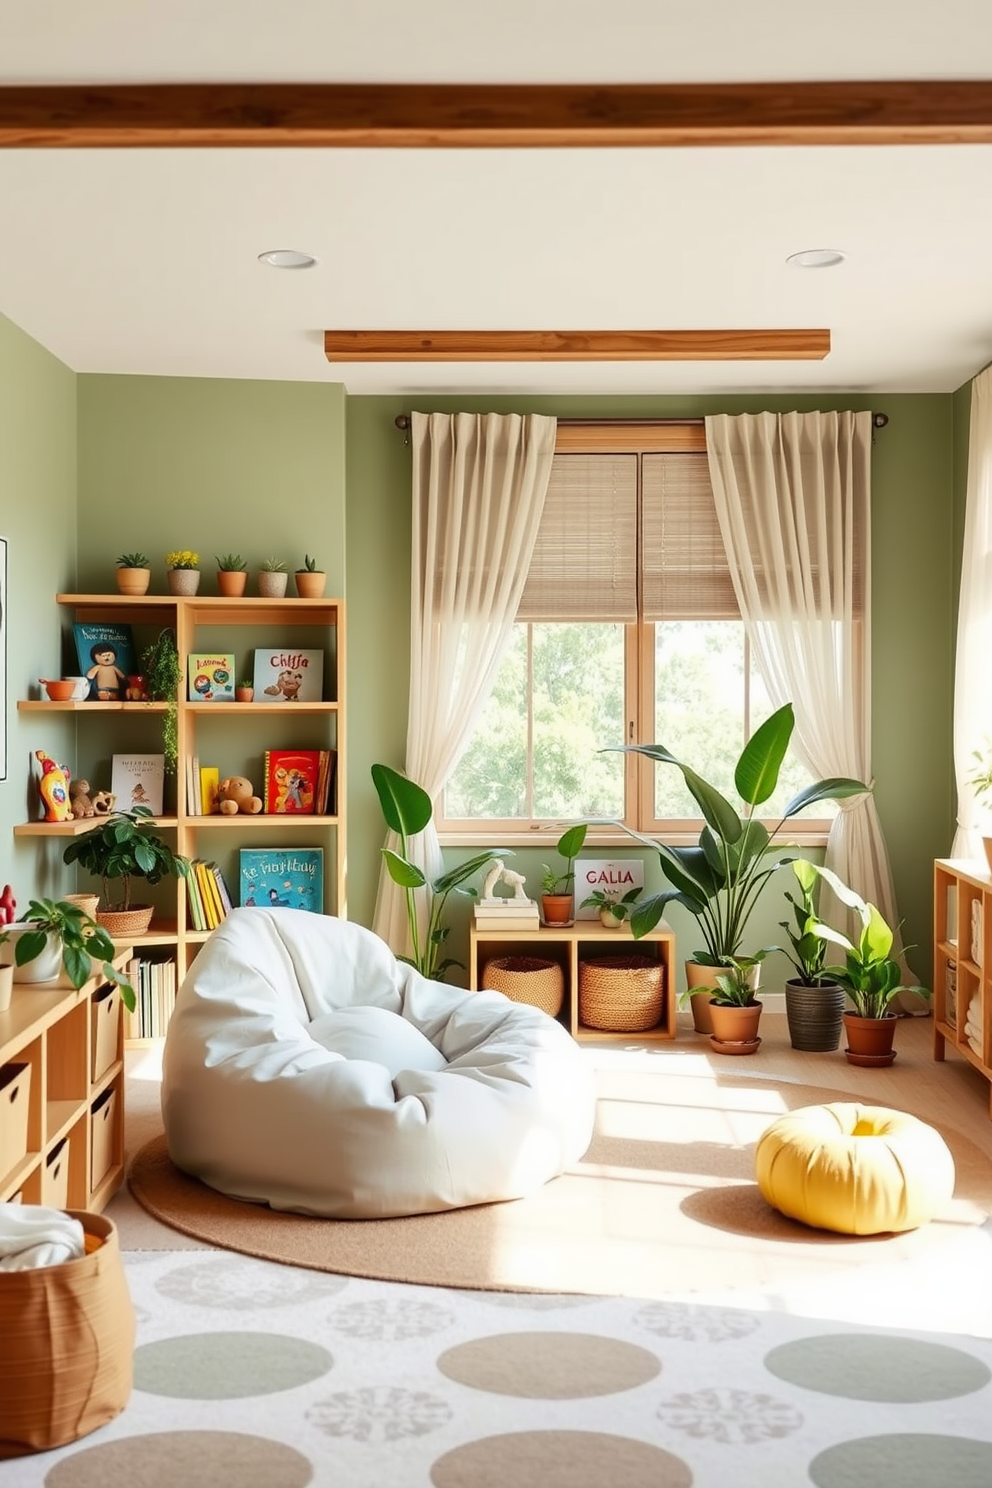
(952, 1092)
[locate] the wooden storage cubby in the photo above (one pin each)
(958, 886)
(232, 736)
(50, 1028)
(568, 945)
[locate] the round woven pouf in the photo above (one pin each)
(529, 979)
(859, 1170)
(621, 994)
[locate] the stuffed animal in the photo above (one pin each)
(237, 794)
(79, 798)
(103, 802)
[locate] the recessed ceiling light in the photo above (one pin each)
(287, 258)
(817, 258)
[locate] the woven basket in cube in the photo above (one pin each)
(622, 994)
(527, 979)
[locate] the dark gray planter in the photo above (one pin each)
(815, 1016)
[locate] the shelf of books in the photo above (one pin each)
(257, 801)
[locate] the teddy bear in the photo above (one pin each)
(237, 794)
(79, 798)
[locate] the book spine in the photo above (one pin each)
(193, 895)
(202, 878)
(225, 893)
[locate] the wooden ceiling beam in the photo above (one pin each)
(427, 116)
(576, 346)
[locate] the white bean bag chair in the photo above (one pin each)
(307, 1068)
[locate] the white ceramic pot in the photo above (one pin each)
(44, 968)
(6, 987)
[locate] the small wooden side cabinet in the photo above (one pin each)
(570, 944)
(962, 962)
(62, 1055)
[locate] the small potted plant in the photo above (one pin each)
(556, 888)
(57, 936)
(244, 691)
(310, 579)
(184, 571)
(133, 573)
(980, 781)
(123, 848)
(232, 574)
(814, 1002)
(734, 1009)
(612, 911)
(869, 976)
(272, 578)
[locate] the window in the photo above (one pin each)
(628, 631)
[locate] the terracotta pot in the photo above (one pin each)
(272, 585)
(735, 1025)
(869, 1040)
(698, 975)
(244, 694)
(815, 1015)
(133, 580)
(231, 581)
(557, 909)
(310, 585)
(183, 580)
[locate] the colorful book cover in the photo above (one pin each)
(283, 877)
(209, 781)
(210, 677)
(204, 879)
(291, 781)
(106, 658)
(138, 780)
(283, 675)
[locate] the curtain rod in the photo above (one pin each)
(402, 421)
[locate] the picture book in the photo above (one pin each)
(209, 781)
(105, 653)
(138, 780)
(283, 877)
(291, 781)
(210, 677)
(283, 675)
(614, 876)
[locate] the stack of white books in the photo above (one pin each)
(507, 914)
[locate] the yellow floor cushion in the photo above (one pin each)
(860, 1170)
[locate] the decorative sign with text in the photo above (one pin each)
(613, 875)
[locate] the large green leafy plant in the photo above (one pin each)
(869, 975)
(720, 879)
(124, 847)
(407, 809)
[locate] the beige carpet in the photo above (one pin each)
(663, 1202)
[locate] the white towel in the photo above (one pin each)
(31, 1235)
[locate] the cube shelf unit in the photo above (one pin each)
(230, 735)
(570, 944)
(73, 1045)
(962, 967)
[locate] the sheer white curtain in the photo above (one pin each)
(479, 483)
(793, 497)
(972, 693)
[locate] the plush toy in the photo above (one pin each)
(103, 802)
(237, 794)
(79, 798)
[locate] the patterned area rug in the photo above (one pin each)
(254, 1375)
(665, 1200)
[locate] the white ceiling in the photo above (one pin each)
(145, 261)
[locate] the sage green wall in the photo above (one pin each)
(256, 468)
(913, 535)
(38, 519)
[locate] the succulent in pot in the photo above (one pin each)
(133, 573)
(54, 926)
(125, 847)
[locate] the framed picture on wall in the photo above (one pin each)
(3, 658)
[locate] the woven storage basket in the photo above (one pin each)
(621, 993)
(120, 923)
(527, 979)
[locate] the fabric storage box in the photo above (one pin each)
(55, 1183)
(623, 994)
(105, 1013)
(67, 1361)
(102, 1137)
(15, 1091)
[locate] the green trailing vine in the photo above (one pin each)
(163, 674)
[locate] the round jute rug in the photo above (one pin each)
(664, 1200)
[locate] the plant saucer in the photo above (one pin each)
(735, 1046)
(870, 1061)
